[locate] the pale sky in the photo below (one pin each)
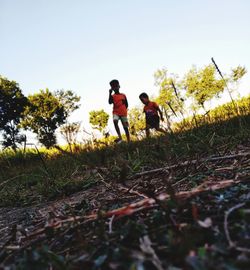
(83, 44)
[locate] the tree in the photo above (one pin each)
(169, 99)
(136, 122)
(202, 84)
(69, 132)
(238, 73)
(12, 106)
(98, 119)
(235, 78)
(69, 100)
(44, 115)
(169, 96)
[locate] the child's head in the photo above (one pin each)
(115, 85)
(144, 98)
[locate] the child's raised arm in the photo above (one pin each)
(110, 97)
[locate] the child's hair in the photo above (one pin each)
(114, 83)
(143, 95)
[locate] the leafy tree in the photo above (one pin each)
(69, 100)
(44, 115)
(235, 78)
(202, 84)
(169, 97)
(238, 73)
(12, 106)
(136, 122)
(98, 119)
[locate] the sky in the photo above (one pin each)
(83, 44)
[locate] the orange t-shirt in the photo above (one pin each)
(151, 109)
(119, 104)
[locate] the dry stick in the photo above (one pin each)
(146, 247)
(178, 98)
(125, 211)
(110, 224)
(172, 109)
(147, 203)
(135, 207)
(127, 190)
(109, 186)
(179, 182)
(132, 191)
(104, 182)
(217, 68)
(231, 243)
(175, 90)
(187, 163)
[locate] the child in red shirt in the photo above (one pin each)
(120, 105)
(152, 111)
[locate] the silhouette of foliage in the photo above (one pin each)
(12, 106)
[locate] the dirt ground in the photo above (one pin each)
(19, 222)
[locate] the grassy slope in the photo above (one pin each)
(170, 231)
(34, 177)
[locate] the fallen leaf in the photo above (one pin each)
(206, 223)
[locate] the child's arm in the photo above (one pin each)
(126, 102)
(110, 97)
(161, 115)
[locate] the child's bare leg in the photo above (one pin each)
(125, 127)
(117, 129)
(127, 133)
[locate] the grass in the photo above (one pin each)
(37, 176)
(171, 236)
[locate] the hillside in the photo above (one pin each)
(176, 202)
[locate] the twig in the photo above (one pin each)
(131, 209)
(231, 243)
(179, 182)
(187, 163)
(110, 224)
(131, 191)
(104, 182)
(146, 247)
(217, 68)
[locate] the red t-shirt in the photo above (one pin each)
(151, 109)
(119, 101)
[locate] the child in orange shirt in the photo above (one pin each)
(152, 111)
(120, 105)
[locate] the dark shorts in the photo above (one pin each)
(153, 121)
